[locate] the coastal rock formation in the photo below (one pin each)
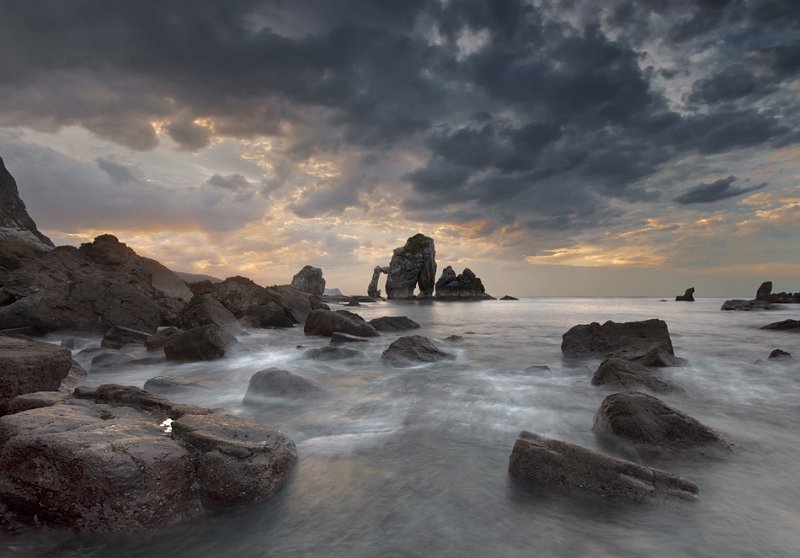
(372, 290)
(101, 461)
(309, 280)
(780, 354)
(785, 325)
(412, 265)
(653, 427)
(14, 215)
(325, 323)
(266, 316)
(465, 286)
(764, 299)
(508, 297)
(30, 366)
(393, 323)
(157, 340)
(274, 382)
(95, 287)
(549, 463)
(646, 341)
(741, 304)
(413, 350)
(207, 342)
(764, 291)
(687, 296)
(171, 385)
(622, 374)
(207, 310)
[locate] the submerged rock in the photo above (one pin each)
(339, 337)
(117, 337)
(653, 427)
(325, 323)
(413, 350)
(780, 354)
(629, 340)
(170, 385)
(785, 325)
(332, 353)
(620, 373)
(465, 286)
(274, 382)
(687, 296)
(30, 366)
(393, 323)
(549, 463)
(412, 265)
(309, 280)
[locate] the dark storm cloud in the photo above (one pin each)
(718, 190)
(118, 173)
(544, 116)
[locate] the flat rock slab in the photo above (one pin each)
(620, 373)
(30, 366)
(549, 463)
(413, 350)
(394, 323)
(627, 340)
(652, 427)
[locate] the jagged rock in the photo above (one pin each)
(629, 340)
(207, 310)
(332, 353)
(621, 373)
(785, 325)
(325, 323)
(652, 427)
(297, 305)
(157, 340)
(508, 297)
(372, 289)
(780, 354)
(339, 337)
(465, 286)
(237, 294)
(97, 286)
(394, 323)
(13, 213)
(208, 342)
(267, 315)
(274, 382)
(117, 337)
(101, 462)
(309, 280)
(687, 296)
(549, 463)
(413, 350)
(412, 265)
(740, 304)
(30, 366)
(764, 291)
(169, 385)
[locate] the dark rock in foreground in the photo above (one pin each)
(267, 315)
(324, 323)
(620, 373)
(465, 286)
(687, 296)
(274, 382)
(208, 342)
(309, 280)
(30, 366)
(629, 340)
(413, 350)
(785, 325)
(549, 463)
(332, 353)
(393, 323)
(207, 310)
(101, 462)
(780, 354)
(412, 265)
(653, 427)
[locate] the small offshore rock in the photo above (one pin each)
(538, 368)
(274, 382)
(785, 325)
(554, 464)
(332, 353)
(508, 297)
(454, 338)
(413, 350)
(687, 296)
(628, 339)
(746, 305)
(394, 323)
(780, 354)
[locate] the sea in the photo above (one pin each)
(413, 462)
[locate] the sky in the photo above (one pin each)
(554, 147)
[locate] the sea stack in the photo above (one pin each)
(309, 280)
(465, 286)
(688, 296)
(413, 265)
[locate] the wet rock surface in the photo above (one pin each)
(394, 323)
(785, 325)
(30, 366)
(332, 353)
(274, 382)
(208, 342)
(207, 310)
(325, 322)
(413, 350)
(623, 374)
(629, 340)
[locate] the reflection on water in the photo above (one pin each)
(413, 462)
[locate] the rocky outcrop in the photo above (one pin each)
(325, 322)
(309, 280)
(687, 296)
(274, 382)
(508, 297)
(412, 265)
(95, 287)
(619, 373)
(372, 289)
(102, 461)
(741, 304)
(268, 315)
(785, 325)
(413, 350)
(465, 286)
(553, 464)
(13, 213)
(30, 366)
(647, 342)
(764, 300)
(393, 323)
(764, 291)
(207, 310)
(208, 342)
(255, 305)
(652, 427)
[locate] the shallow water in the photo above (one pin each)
(413, 462)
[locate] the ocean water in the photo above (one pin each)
(413, 462)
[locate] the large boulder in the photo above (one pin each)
(309, 280)
(465, 286)
(30, 366)
(393, 323)
(687, 296)
(274, 382)
(412, 265)
(208, 342)
(413, 350)
(619, 373)
(629, 340)
(325, 322)
(95, 287)
(297, 304)
(104, 461)
(553, 464)
(785, 325)
(267, 315)
(205, 310)
(652, 427)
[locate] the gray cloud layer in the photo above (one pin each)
(541, 118)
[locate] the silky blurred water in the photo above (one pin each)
(413, 462)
